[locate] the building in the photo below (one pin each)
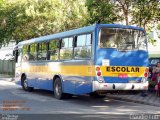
(6, 51)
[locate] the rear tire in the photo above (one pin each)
(58, 93)
(25, 84)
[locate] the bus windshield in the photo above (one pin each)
(122, 39)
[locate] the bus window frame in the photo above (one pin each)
(91, 44)
(28, 48)
(18, 53)
(47, 42)
(37, 50)
(66, 48)
(48, 49)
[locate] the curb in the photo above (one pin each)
(7, 79)
(134, 101)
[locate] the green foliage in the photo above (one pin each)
(66, 54)
(7, 20)
(82, 53)
(148, 33)
(158, 27)
(123, 7)
(101, 10)
(25, 19)
(145, 12)
(85, 53)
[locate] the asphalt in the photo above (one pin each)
(149, 99)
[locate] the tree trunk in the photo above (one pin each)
(126, 17)
(124, 6)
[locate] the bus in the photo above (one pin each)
(92, 60)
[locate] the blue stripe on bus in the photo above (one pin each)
(118, 58)
(80, 85)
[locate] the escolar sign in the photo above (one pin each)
(122, 69)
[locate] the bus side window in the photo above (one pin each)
(66, 51)
(32, 52)
(53, 52)
(25, 56)
(82, 48)
(42, 51)
(17, 54)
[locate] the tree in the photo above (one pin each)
(124, 6)
(101, 10)
(145, 12)
(25, 19)
(158, 27)
(7, 20)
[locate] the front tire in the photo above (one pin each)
(25, 84)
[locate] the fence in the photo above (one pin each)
(7, 67)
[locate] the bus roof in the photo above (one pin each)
(75, 32)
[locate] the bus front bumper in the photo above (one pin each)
(119, 86)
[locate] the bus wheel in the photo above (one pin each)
(25, 85)
(97, 95)
(58, 93)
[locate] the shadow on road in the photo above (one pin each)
(83, 100)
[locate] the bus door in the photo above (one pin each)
(18, 65)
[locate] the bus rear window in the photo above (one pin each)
(122, 39)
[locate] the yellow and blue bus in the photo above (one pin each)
(91, 60)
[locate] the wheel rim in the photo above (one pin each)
(25, 84)
(58, 89)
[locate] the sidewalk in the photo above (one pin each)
(6, 78)
(150, 99)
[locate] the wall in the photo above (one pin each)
(7, 67)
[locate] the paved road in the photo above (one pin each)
(13, 100)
